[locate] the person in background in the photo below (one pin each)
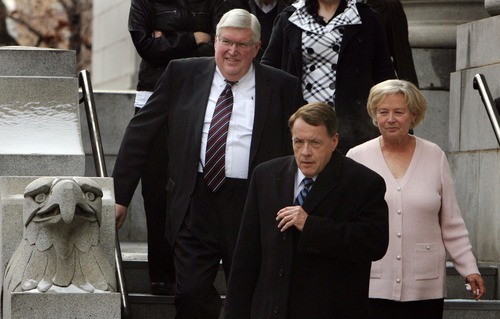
(338, 49)
(308, 258)
(163, 30)
(424, 218)
(396, 28)
(207, 171)
(266, 11)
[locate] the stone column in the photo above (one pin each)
(432, 30)
(492, 6)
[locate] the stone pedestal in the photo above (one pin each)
(39, 114)
(74, 306)
(53, 305)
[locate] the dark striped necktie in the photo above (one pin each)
(215, 156)
(301, 197)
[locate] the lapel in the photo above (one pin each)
(294, 35)
(202, 81)
(349, 32)
(284, 182)
(263, 93)
(326, 182)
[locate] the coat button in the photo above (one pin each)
(283, 236)
(281, 272)
(276, 310)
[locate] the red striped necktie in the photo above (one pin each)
(215, 156)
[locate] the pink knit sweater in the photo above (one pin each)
(425, 223)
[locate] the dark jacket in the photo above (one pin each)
(176, 104)
(178, 19)
(396, 28)
(322, 272)
(364, 60)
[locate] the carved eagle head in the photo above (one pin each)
(62, 218)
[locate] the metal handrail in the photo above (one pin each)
(100, 167)
(481, 85)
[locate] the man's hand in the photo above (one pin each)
(476, 283)
(291, 216)
(202, 37)
(120, 214)
(157, 34)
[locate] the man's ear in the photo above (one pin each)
(335, 141)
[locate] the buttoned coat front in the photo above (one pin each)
(364, 60)
(322, 272)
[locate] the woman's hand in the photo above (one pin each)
(476, 283)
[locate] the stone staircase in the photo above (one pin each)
(143, 304)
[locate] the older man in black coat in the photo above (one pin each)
(312, 258)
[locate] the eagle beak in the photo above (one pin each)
(71, 196)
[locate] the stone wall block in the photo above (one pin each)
(478, 44)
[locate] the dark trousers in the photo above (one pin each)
(207, 236)
(153, 182)
(421, 309)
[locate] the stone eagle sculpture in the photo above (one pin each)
(60, 246)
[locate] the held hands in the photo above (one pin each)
(120, 214)
(157, 34)
(475, 283)
(291, 216)
(199, 37)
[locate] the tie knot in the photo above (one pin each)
(230, 83)
(308, 182)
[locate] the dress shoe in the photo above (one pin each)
(163, 288)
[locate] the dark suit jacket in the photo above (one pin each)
(396, 28)
(180, 101)
(322, 272)
(364, 60)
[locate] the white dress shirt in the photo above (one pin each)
(239, 136)
(299, 184)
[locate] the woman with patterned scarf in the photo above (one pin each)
(338, 49)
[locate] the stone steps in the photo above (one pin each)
(471, 309)
(143, 304)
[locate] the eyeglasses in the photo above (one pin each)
(239, 45)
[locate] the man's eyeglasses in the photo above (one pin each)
(239, 45)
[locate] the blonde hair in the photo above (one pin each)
(414, 99)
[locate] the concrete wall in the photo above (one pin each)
(114, 59)
(474, 151)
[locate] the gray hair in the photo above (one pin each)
(241, 19)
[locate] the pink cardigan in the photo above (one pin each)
(425, 223)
